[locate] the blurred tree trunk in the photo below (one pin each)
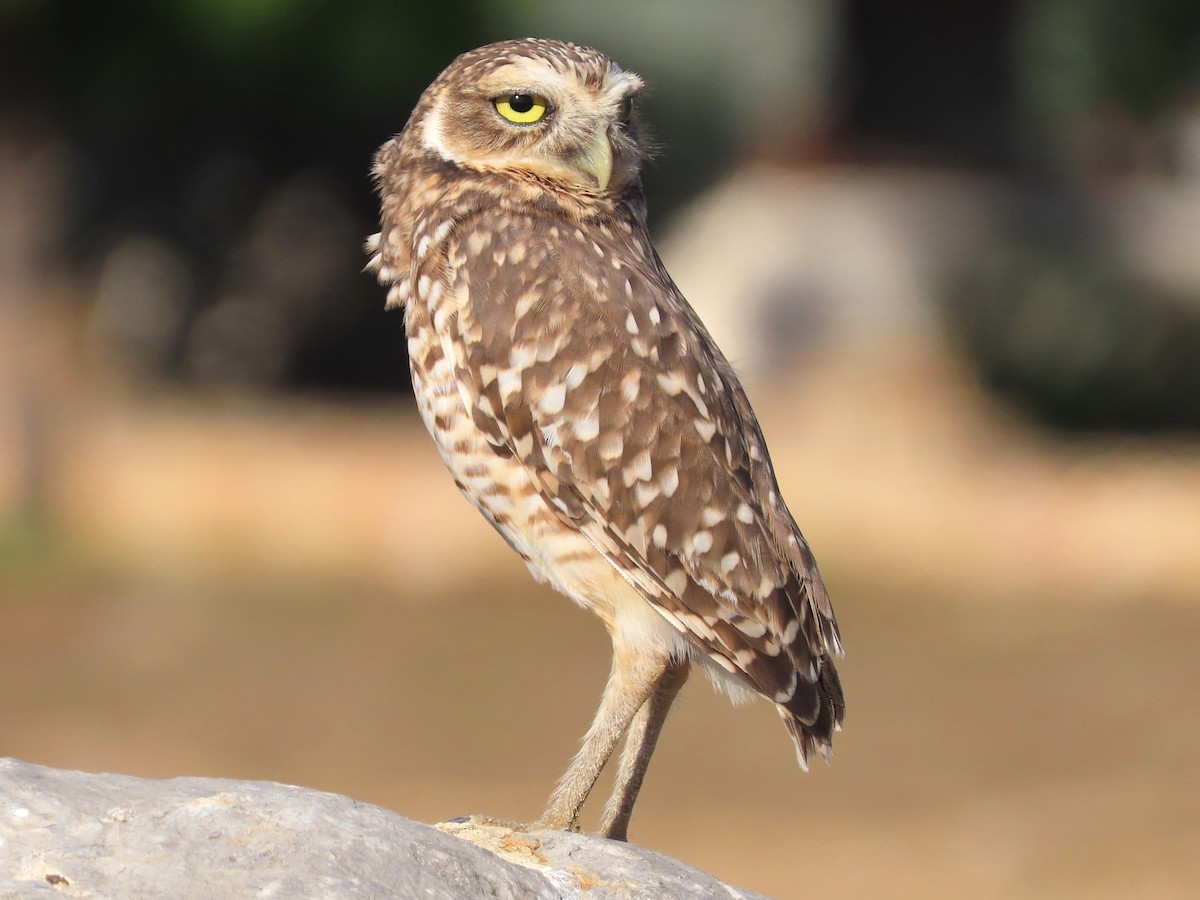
(31, 179)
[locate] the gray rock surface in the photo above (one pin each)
(80, 835)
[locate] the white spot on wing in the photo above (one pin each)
(660, 535)
(477, 241)
(640, 469)
(611, 447)
(522, 356)
(630, 384)
(791, 630)
(645, 492)
(587, 427)
(553, 400)
(670, 481)
(670, 382)
(751, 628)
(509, 382)
(575, 376)
(784, 694)
(525, 303)
(677, 582)
(442, 230)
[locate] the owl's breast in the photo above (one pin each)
(507, 494)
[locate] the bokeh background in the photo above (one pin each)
(953, 247)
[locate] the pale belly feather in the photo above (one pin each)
(502, 489)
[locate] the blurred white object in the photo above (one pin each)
(781, 263)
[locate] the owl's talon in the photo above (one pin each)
(549, 825)
(481, 821)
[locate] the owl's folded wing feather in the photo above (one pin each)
(601, 380)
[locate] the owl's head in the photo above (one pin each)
(561, 113)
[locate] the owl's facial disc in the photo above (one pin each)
(562, 126)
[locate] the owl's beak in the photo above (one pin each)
(597, 157)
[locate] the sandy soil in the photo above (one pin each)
(1037, 748)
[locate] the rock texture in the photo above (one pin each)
(80, 835)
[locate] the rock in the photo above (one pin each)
(583, 865)
(81, 835)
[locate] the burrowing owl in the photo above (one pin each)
(583, 408)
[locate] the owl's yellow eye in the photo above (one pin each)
(524, 109)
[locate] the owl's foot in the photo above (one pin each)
(460, 823)
(509, 840)
(548, 823)
(545, 823)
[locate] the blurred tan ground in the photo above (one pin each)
(294, 591)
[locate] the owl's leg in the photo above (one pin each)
(635, 675)
(639, 746)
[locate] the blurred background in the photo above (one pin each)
(954, 248)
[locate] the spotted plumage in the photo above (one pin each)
(583, 408)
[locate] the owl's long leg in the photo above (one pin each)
(635, 675)
(639, 746)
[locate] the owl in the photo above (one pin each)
(584, 410)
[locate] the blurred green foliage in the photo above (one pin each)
(1079, 343)
(1078, 55)
(192, 126)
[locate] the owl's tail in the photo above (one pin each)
(831, 709)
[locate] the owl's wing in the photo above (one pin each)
(598, 376)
